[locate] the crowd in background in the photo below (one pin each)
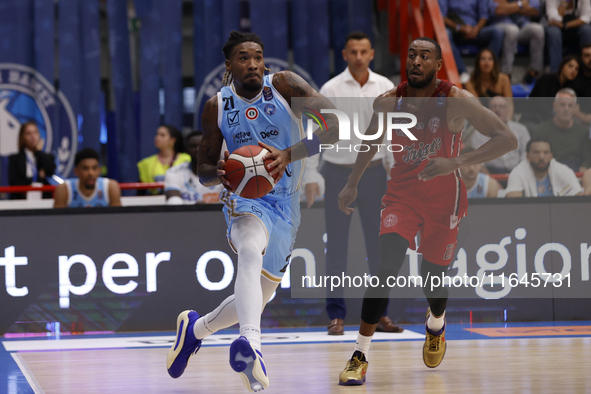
(552, 125)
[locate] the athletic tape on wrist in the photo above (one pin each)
(313, 145)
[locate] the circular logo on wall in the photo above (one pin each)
(25, 95)
(213, 83)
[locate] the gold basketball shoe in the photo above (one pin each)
(434, 347)
(354, 373)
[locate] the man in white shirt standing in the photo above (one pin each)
(356, 81)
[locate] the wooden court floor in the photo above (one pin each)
(506, 365)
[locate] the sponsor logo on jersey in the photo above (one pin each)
(390, 220)
(267, 93)
(25, 95)
(257, 211)
(434, 124)
(271, 132)
(233, 118)
(242, 137)
(269, 109)
(252, 113)
(415, 155)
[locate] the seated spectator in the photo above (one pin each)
(169, 143)
(504, 164)
(587, 182)
(549, 84)
(30, 164)
(181, 182)
(478, 184)
(465, 21)
(568, 22)
(570, 140)
(514, 17)
(487, 80)
(88, 190)
(540, 175)
(582, 85)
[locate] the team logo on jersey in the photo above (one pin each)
(440, 99)
(453, 222)
(271, 132)
(25, 95)
(252, 113)
(390, 220)
(416, 155)
(233, 118)
(269, 109)
(267, 93)
(434, 124)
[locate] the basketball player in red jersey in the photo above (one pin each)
(425, 193)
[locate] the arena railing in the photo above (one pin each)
(50, 188)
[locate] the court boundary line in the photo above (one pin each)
(35, 386)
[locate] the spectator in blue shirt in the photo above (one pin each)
(465, 21)
(514, 17)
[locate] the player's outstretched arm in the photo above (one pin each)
(502, 140)
(60, 196)
(211, 168)
(463, 106)
(349, 192)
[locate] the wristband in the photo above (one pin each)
(313, 145)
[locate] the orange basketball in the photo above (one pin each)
(246, 172)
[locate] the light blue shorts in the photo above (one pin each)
(280, 218)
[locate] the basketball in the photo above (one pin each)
(246, 172)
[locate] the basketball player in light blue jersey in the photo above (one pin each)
(252, 108)
(88, 189)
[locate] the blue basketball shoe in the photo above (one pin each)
(185, 344)
(249, 363)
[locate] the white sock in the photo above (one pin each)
(435, 324)
(249, 238)
(225, 315)
(362, 344)
(253, 334)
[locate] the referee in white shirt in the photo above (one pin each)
(356, 81)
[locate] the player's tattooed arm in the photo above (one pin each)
(211, 146)
(502, 140)
(290, 85)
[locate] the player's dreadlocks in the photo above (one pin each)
(237, 38)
